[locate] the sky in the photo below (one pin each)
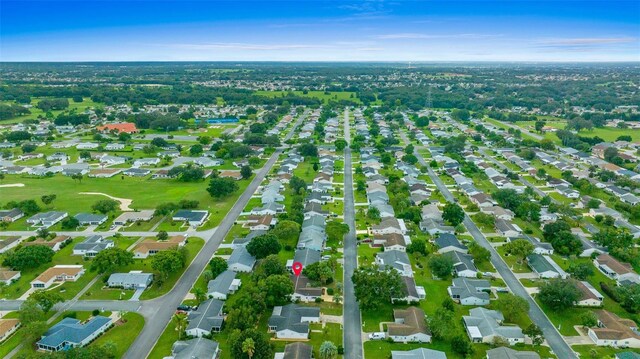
(328, 30)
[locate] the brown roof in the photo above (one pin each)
(586, 293)
(260, 220)
(6, 274)
(614, 327)
(614, 264)
(391, 239)
(152, 244)
(302, 285)
(7, 324)
(58, 271)
(49, 243)
(413, 322)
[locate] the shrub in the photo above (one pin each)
(95, 312)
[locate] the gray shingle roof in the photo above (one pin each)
(72, 331)
(208, 315)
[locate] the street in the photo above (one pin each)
(351, 318)
(551, 334)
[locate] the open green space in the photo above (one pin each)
(323, 96)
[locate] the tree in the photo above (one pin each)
(70, 223)
(30, 311)
(287, 231)
(441, 266)
(479, 253)
(221, 187)
(181, 324)
(249, 347)
(105, 206)
(162, 235)
(108, 260)
(28, 148)
(277, 289)
(559, 294)
(539, 125)
(373, 213)
(29, 257)
(261, 344)
(328, 350)
(246, 172)
(453, 213)
(46, 299)
(512, 306)
(340, 144)
(308, 150)
(460, 114)
(47, 199)
(77, 177)
(166, 263)
(441, 323)
(374, 287)
(581, 271)
(319, 271)
(418, 246)
(461, 345)
(519, 248)
(336, 230)
(535, 333)
(217, 266)
(196, 150)
(589, 319)
(263, 245)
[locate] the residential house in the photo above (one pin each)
(409, 325)
(545, 267)
(388, 226)
(296, 350)
(447, 242)
(136, 172)
(434, 227)
(590, 296)
(149, 247)
(8, 276)
(397, 260)
(123, 127)
(126, 217)
(612, 268)
(508, 353)
(11, 215)
(132, 280)
(470, 291)
(8, 327)
(207, 319)
(224, 284)
(90, 219)
(59, 273)
(197, 348)
(240, 260)
(195, 218)
(91, 246)
(304, 290)
(419, 353)
(292, 321)
(613, 331)
(506, 228)
(72, 333)
(498, 212)
(483, 325)
(55, 244)
(46, 219)
(462, 264)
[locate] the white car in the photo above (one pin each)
(376, 336)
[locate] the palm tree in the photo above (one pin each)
(200, 295)
(249, 347)
(181, 324)
(328, 350)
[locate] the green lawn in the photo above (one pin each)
(165, 342)
(123, 333)
(320, 95)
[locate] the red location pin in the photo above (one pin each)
(297, 268)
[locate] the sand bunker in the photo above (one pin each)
(12, 185)
(124, 202)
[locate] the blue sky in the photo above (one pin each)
(305, 30)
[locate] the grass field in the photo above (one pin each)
(325, 97)
(145, 193)
(35, 112)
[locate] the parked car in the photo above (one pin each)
(376, 336)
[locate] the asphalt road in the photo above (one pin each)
(551, 334)
(352, 332)
(160, 310)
